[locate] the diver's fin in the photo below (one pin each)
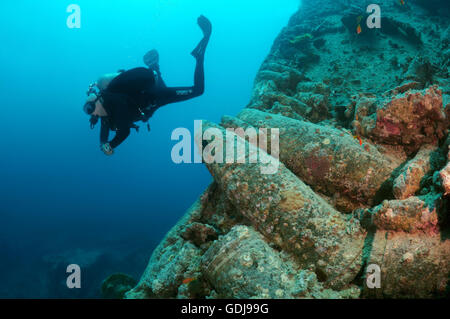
(151, 59)
(206, 27)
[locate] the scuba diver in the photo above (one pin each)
(123, 98)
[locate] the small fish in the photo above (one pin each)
(358, 29)
(402, 2)
(188, 280)
(357, 137)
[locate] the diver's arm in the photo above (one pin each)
(108, 148)
(104, 131)
(121, 135)
(120, 116)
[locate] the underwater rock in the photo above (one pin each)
(317, 109)
(288, 111)
(116, 285)
(445, 176)
(422, 70)
(363, 108)
(298, 103)
(411, 120)
(276, 83)
(199, 233)
(279, 103)
(284, 77)
(434, 7)
(281, 77)
(408, 181)
(324, 157)
(395, 28)
(411, 215)
(390, 26)
(403, 88)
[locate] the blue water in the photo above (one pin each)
(58, 192)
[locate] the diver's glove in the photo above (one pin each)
(93, 121)
(107, 149)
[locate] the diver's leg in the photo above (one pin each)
(199, 77)
(206, 27)
(177, 94)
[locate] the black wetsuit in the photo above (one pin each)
(139, 91)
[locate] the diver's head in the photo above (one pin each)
(94, 106)
(89, 106)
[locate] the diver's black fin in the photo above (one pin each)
(151, 59)
(206, 27)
